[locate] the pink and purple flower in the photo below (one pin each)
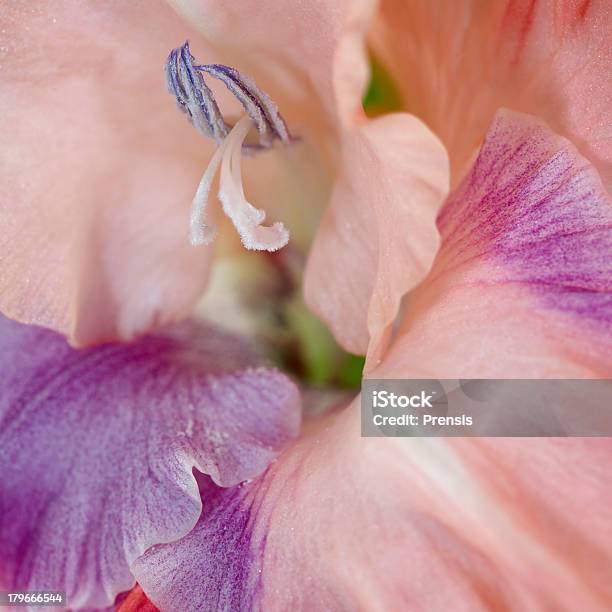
(459, 226)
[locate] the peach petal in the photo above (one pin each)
(457, 63)
(378, 238)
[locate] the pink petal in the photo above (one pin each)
(378, 238)
(98, 447)
(457, 64)
(522, 286)
(97, 171)
(100, 252)
(341, 522)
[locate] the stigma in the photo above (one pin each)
(185, 81)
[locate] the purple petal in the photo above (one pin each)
(220, 560)
(97, 449)
(534, 204)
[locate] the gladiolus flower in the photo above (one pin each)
(421, 512)
(173, 461)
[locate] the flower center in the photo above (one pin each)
(193, 96)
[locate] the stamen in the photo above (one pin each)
(256, 103)
(184, 80)
(193, 96)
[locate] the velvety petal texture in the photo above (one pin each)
(97, 448)
(341, 522)
(456, 63)
(522, 286)
(378, 238)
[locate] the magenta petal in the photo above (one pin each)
(97, 448)
(542, 212)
